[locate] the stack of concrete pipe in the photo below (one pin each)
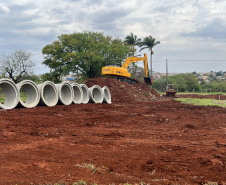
(50, 94)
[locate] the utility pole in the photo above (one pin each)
(166, 74)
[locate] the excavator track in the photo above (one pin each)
(127, 80)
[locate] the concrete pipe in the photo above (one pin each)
(77, 93)
(32, 92)
(95, 94)
(85, 92)
(107, 95)
(11, 94)
(65, 93)
(48, 94)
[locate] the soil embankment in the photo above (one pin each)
(124, 92)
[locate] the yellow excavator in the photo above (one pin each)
(121, 73)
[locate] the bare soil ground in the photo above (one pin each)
(140, 137)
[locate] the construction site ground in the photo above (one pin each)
(141, 137)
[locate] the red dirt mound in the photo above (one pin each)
(124, 92)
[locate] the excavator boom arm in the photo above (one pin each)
(122, 72)
(130, 60)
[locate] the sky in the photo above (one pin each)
(192, 33)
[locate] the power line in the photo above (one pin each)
(197, 60)
(193, 61)
(41, 68)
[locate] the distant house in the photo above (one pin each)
(70, 79)
(203, 78)
(219, 78)
(224, 76)
(67, 78)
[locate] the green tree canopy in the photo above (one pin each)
(182, 82)
(32, 77)
(219, 73)
(132, 40)
(85, 53)
(149, 43)
(215, 86)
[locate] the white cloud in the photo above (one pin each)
(4, 8)
(184, 27)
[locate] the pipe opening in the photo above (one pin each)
(49, 94)
(29, 94)
(66, 94)
(95, 94)
(9, 94)
(23, 95)
(85, 97)
(107, 95)
(78, 94)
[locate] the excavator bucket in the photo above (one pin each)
(148, 80)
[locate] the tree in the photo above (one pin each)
(191, 82)
(211, 76)
(16, 65)
(182, 82)
(219, 73)
(84, 53)
(160, 84)
(132, 40)
(149, 43)
(33, 78)
(137, 72)
(215, 86)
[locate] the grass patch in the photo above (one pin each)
(202, 102)
(197, 93)
(2, 97)
(203, 93)
(80, 183)
(23, 97)
(90, 166)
